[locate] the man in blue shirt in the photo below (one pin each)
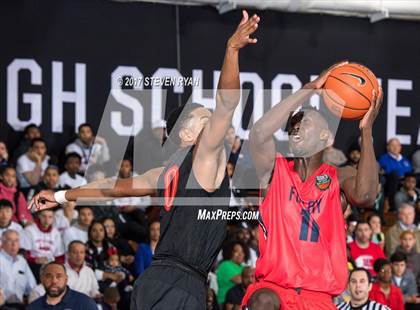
(58, 295)
(394, 166)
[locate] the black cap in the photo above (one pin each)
(4, 203)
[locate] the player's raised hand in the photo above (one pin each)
(319, 82)
(246, 27)
(43, 200)
(372, 113)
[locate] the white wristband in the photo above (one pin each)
(60, 197)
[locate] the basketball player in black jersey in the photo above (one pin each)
(194, 178)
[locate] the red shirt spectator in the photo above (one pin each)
(9, 191)
(394, 300)
(362, 250)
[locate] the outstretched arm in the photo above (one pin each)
(361, 186)
(262, 145)
(109, 188)
(227, 98)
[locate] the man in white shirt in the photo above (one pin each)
(79, 231)
(6, 214)
(70, 177)
(92, 150)
(16, 278)
(31, 166)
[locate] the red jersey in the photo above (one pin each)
(366, 257)
(302, 239)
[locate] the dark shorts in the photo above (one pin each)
(167, 288)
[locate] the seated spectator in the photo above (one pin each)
(125, 251)
(354, 157)
(230, 270)
(406, 215)
(16, 278)
(65, 216)
(363, 251)
(383, 291)
(4, 155)
(244, 235)
(30, 132)
(378, 236)
(416, 161)
(111, 299)
(70, 177)
(145, 251)
(97, 252)
(43, 242)
(49, 181)
(79, 231)
(403, 278)
(359, 285)
(9, 191)
(235, 295)
(58, 295)
(394, 166)
(408, 192)
(31, 166)
(6, 214)
(211, 300)
(91, 149)
(408, 247)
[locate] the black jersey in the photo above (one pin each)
(183, 237)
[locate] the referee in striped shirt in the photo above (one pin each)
(360, 283)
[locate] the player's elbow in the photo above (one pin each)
(256, 135)
(365, 200)
(228, 98)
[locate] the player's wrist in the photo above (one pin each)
(60, 197)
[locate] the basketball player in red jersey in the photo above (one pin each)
(302, 261)
(187, 248)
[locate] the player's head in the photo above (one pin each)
(383, 268)
(359, 285)
(186, 123)
(308, 133)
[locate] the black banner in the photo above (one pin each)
(60, 59)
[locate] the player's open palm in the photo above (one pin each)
(372, 113)
(245, 29)
(43, 200)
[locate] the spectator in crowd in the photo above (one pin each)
(416, 161)
(408, 247)
(30, 132)
(111, 299)
(16, 278)
(406, 216)
(79, 231)
(10, 191)
(65, 216)
(6, 214)
(125, 251)
(145, 251)
(58, 295)
(229, 271)
(359, 285)
(70, 177)
(383, 291)
(91, 149)
(408, 192)
(378, 236)
(403, 278)
(354, 157)
(98, 249)
(43, 242)
(49, 181)
(334, 156)
(4, 155)
(394, 166)
(363, 251)
(244, 235)
(235, 295)
(378, 205)
(31, 166)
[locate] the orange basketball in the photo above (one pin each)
(348, 91)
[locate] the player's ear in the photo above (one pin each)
(326, 137)
(186, 135)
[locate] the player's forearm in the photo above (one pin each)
(367, 178)
(228, 90)
(276, 117)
